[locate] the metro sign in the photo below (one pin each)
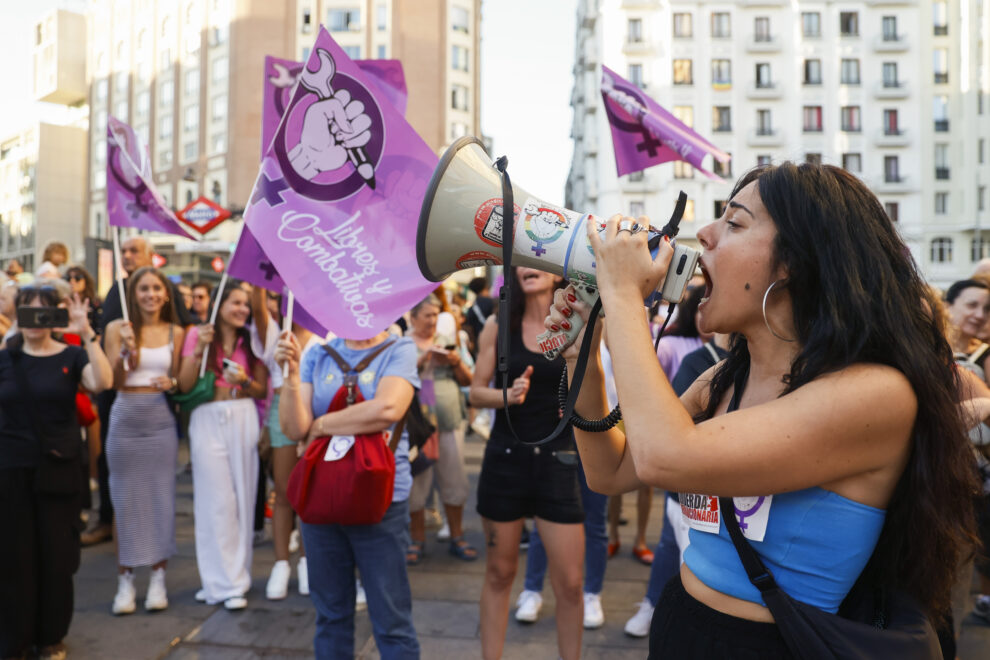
(203, 214)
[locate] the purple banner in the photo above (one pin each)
(132, 199)
(280, 80)
(336, 203)
(644, 134)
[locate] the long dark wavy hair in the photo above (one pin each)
(857, 297)
(168, 313)
(214, 360)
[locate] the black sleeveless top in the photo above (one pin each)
(540, 412)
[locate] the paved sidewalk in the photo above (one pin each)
(445, 590)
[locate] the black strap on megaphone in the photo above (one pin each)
(508, 237)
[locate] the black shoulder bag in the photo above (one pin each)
(870, 624)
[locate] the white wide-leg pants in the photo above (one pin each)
(223, 438)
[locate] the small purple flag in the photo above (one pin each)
(280, 80)
(132, 199)
(336, 203)
(644, 134)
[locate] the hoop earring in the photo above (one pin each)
(767, 322)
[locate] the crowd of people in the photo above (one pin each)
(870, 387)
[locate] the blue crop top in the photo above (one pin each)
(816, 544)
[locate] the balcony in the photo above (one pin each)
(940, 30)
(891, 90)
(941, 125)
(763, 44)
(638, 47)
(892, 138)
(891, 185)
(886, 44)
(763, 137)
(764, 91)
(941, 78)
(942, 173)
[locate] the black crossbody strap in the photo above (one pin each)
(362, 365)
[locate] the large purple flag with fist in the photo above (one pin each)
(644, 134)
(336, 203)
(132, 199)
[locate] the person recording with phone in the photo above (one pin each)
(40, 477)
(832, 422)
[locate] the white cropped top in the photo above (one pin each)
(153, 362)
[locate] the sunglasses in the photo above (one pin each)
(75, 277)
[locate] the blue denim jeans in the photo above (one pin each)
(666, 559)
(379, 553)
(595, 544)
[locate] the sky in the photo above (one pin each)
(527, 51)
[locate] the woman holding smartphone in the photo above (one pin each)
(223, 438)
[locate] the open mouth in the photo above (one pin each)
(530, 277)
(708, 284)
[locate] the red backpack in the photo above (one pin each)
(346, 480)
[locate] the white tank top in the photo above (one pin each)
(153, 362)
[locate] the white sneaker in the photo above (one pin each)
(157, 598)
(278, 582)
(123, 602)
(235, 603)
(528, 606)
(200, 596)
(361, 599)
(594, 617)
(639, 624)
(444, 533)
(482, 424)
(294, 541)
(302, 575)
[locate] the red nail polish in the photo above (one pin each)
(571, 297)
(555, 328)
(566, 311)
(565, 325)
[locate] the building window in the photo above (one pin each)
(144, 132)
(813, 158)
(218, 107)
(723, 170)
(381, 18)
(682, 72)
(344, 20)
(940, 112)
(981, 198)
(120, 110)
(683, 26)
(761, 29)
(636, 209)
(635, 72)
(890, 74)
(849, 72)
(852, 162)
(165, 127)
(353, 52)
(458, 129)
(940, 18)
(941, 161)
(851, 119)
(165, 59)
(459, 57)
(164, 159)
(763, 80)
(190, 83)
(941, 203)
(811, 24)
(459, 97)
(891, 169)
(941, 251)
(685, 114)
(762, 160)
(721, 119)
(143, 103)
(721, 27)
(892, 210)
(216, 190)
(719, 207)
(689, 210)
(812, 118)
(190, 151)
(721, 74)
(218, 143)
(981, 148)
(890, 125)
(979, 248)
(764, 122)
(101, 89)
(940, 63)
(382, 52)
(307, 21)
(190, 118)
(812, 72)
(849, 24)
(460, 19)
(166, 94)
(636, 176)
(889, 24)
(634, 30)
(218, 34)
(218, 72)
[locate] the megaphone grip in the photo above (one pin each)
(553, 343)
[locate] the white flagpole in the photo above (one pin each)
(287, 326)
(213, 319)
(118, 270)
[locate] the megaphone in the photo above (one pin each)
(460, 227)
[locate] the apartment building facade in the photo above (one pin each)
(894, 91)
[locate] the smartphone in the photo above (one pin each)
(42, 317)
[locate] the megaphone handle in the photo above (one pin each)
(552, 343)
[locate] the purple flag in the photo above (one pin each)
(280, 80)
(336, 203)
(644, 134)
(132, 199)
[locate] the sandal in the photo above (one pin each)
(462, 549)
(414, 553)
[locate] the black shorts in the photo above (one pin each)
(683, 627)
(520, 482)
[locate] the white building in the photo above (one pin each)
(895, 91)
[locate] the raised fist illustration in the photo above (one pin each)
(331, 127)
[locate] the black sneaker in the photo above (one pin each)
(982, 608)
(524, 539)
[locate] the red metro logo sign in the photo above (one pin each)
(203, 214)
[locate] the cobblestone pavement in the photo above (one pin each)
(445, 590)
